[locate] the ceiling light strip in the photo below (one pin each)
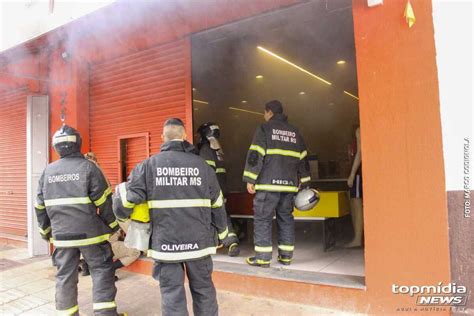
(350, 94)
(293, 65)
(246, 111)
(199, 101)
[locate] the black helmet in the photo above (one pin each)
(208, 130)
(66, 141)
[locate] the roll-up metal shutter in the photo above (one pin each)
(135, 152)
(135, 94)
(13, 164)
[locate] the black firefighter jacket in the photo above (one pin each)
(74, 203)
(216, 160)
(276, 160)
(185, 201)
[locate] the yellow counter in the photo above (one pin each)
(331, 204)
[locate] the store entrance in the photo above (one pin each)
(303, 56)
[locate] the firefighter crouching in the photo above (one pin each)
(122, 255)
(210, 150)
(275, 167)
(186, 207)
(74, 211)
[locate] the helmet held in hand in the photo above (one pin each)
(306, 199)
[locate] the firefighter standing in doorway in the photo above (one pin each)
(186, 207)
(210, 149)
(275, 167)
(74, 211)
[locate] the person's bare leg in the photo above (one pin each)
(357, 222)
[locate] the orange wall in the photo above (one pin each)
(22, 71)
(405, 199)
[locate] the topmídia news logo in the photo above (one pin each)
(450, 294)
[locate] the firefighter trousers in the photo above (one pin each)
(173, 297)
(265, 204)
(230, 227)
(99, 260)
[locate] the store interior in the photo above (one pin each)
(303, 56)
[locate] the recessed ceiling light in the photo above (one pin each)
(194, 89)
(259, 76)
(341, 62)
(351, 95)
(292, 64)
(302, 92)
(244, 101)
(200, 101)
(246, 111)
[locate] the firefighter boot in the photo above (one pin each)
(284, 260)
(253, 261)
(234, 250)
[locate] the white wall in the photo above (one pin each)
(22, 20)
(453, 39)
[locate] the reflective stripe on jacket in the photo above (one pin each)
(74, 203)
(217, 163)
(277, 157)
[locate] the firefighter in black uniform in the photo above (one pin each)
(210, 149)
(74, 211)
(186, 208)
(276, 166)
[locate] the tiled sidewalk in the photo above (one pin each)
(27, 288)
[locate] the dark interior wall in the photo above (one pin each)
(226, 61)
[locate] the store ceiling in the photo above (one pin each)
(307, 35)
(312, 37)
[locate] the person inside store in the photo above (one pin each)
(210, 149)
(177, 181)
(355, 184)
(276, 167)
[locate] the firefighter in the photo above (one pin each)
(186, 207)
(275, 167)
(210, 149)
(74, 211)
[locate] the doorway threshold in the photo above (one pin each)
(280, 273)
